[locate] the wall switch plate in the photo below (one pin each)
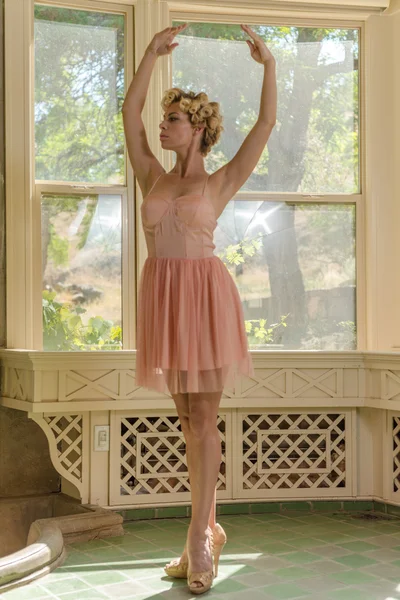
(102, 438)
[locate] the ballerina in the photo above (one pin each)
(191, 336)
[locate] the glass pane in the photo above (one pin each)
(294, 266)
(79, 91)
(314, 147)
(81, 266)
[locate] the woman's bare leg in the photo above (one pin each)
(212, 519)
(205, 460)
(182, 407)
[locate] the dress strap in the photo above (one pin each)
(206, 181)
(151, 189)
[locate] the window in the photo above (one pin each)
(80, 172)
(292, 256)
(288, 237)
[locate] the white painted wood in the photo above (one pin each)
(20, 224)
(382, 211)
(147, 460)
(393, 8)
(299, 465)
(300, 14)
(99, 472)
(387, 451)
(299, 401)
(245, 4)
(393, 456)
(69, 489)
(68, 436)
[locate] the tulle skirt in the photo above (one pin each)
(191, 335)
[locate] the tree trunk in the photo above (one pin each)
(285, 172)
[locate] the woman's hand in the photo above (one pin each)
(258, 49)
(161, 43)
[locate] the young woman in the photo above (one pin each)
(191, 337)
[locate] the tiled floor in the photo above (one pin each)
(267, 557)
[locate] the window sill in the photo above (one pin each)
(37, 382)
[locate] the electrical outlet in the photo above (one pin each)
(102, 438)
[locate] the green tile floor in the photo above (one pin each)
(334, 556)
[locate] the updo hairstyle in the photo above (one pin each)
(200, 111)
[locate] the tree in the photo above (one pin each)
(310, 82)
(79, 90)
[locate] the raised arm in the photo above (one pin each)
(230, 178)
(144, 163)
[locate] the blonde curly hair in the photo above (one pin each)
(201, 112)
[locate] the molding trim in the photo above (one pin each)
(393, 8)
(289, 4)
(289, 9)
(75, 382)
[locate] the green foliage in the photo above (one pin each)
(257, 331)
(330, 230)
(84, 228)
(314, 146)
(259, 334)
(63, 328)
(348, 334)
(79, 91)
(235, 254)
(58, 248)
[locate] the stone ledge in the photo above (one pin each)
(46, 541)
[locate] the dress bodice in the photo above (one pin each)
(182, 227)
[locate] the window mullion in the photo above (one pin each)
(21, 264)
(151, 17)
(294, 198)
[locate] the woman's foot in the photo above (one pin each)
(200, 555)
(178, 566)
(219, 535)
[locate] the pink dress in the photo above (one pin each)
(190, 327)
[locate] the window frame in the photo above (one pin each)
(359, 199)
(24, 311)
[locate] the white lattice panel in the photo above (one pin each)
(68, 437)
(293, 454)
(391, 457)
(67, 432)
(148, 459)
(396, 453)
(293, 459)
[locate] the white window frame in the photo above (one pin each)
(24, 312)
(357, 199)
